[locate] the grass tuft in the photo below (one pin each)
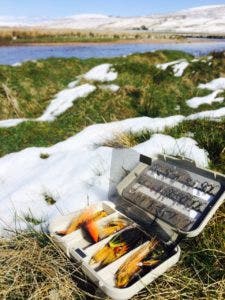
(44, 155)
(49, 199)
(122, 140)
(29, 218)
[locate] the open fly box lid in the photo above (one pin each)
(171, 196)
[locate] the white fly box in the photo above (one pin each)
(161, 201)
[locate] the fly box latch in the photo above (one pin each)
(124, 245)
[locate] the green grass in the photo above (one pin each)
(145, 90)
(210, 136)
(32, 266)
(31, 220)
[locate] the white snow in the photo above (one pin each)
(101, 73)
(209, 99)
(77, 169)
(11, 122)
(217, 114)
(178, 66)
(214, 85)
(91, 16)
(195, 60)
(164, 66)
(110, 87)
(17, 64)
(205, 19)
(64, 100)
(204, 60)
(73, 84)
(185, 146)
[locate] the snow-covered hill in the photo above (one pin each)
(204, 19)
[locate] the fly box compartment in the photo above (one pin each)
(126, 244)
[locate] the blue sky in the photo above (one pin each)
(59, 8)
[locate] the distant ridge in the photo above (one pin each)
(204, 19)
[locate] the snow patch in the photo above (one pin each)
(101, 73)
(73, 84)
(64, 100)
(164, 66)
(110, 87)
(11, 122)
(209, 99)
(204, 60)
(217, 114)
(185, 146)
(216, 84)
(77, 169)
(178, 66)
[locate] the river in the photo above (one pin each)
(13, 54)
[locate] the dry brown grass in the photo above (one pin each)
(16, 34)
(10, 103)
(121, 140)
(33, 267)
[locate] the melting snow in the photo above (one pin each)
(204, 60)
(209, 99)
(110, 87)
(101, 73)
(168, 64)
(73, 84)
(208, 114)
(77, 168)
(64, 100)
(214, 85)
(11, 122)
(178, 66)
(185, 146)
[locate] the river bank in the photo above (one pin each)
(115, 42)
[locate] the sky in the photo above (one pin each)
(62, 8)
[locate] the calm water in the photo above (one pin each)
(14, 54)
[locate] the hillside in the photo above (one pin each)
(205, 19)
